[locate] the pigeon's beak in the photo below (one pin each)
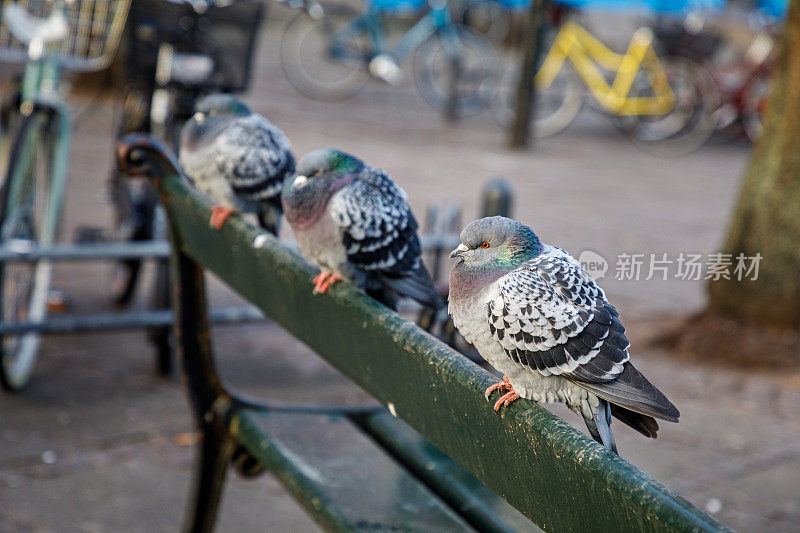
(199, 117)
(458, 252)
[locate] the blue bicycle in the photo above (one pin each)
(329, 53)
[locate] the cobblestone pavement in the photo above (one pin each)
(97, 442)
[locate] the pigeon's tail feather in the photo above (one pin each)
(644, 424)
(416, 284)
(269, 217)
(632, 391)
(600, 426)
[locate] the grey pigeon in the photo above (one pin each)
(535, 314)
(238, 158)
(353, 222)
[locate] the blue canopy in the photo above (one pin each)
(774, 8)
(397, 5)
(659, 6)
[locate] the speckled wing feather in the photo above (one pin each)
(254, 156)
(551, 317)
(379, 234)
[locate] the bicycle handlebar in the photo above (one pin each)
(34, 31)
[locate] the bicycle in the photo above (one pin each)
(742, 81)
(32, 193)
(180, 50)
(656, 101)
(330, 53)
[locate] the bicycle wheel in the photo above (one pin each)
(319, 63)
(468, 63)
(487, 18)
(26, 222)
(690, 122)
(161, 298)
(131, 207)
(555, 106)
(161, 337)
(131, 202)
(756, 100)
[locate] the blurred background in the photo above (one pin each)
(632, 161)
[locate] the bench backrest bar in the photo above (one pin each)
(555, 475)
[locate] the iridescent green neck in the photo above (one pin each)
(519, 248)
(238, 108)
(342, 163)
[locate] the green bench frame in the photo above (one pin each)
(553, 474)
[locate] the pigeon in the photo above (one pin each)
(536, 315)
(238, 158)
(353, 222)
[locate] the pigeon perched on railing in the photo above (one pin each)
(536, 315)
(353, 222)
(238, 158)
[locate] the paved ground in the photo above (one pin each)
(97, 441)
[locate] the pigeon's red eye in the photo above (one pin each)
(484, 244)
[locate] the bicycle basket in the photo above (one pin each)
(94, 30)
(227, 34)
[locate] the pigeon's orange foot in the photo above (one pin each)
(500, 385)
(323, 281)
(219, 215)
(318, 279)
(333, 278)
(506, 399)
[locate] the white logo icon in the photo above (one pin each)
(594, 264)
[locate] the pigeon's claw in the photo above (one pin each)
(506, 399)
(318, 279)
(500, 385)
(323, 281)
(333, 278)
(219, 215)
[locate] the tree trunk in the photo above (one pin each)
(767, 216)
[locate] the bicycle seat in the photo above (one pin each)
(28, 28)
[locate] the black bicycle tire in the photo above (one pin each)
(686, 140)
(161, 337)
(752, 119)
(473, 104)
(29, 122)
(130, 119)
(310, 88)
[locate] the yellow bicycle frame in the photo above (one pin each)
(585, 52)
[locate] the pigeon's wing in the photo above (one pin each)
(551, 317)
(379, 234)
(254, 156)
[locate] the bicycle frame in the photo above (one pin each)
(586, 52)
(40, 95)
(437, 19)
